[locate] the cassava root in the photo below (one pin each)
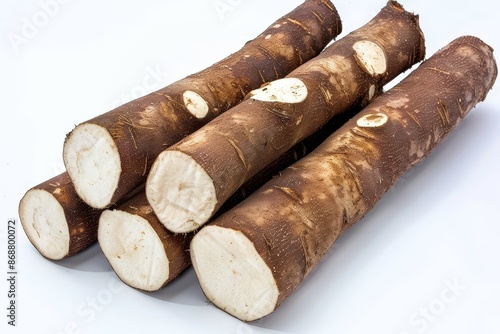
(142, 253)
(250, 259)
(110, 155)
(147, 256)
(57, 222)
(192, 179)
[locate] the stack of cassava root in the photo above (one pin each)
(144, 179)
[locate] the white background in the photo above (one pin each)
(391, 273)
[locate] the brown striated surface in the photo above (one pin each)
(142, 128)
(295, 218)
(254, 133)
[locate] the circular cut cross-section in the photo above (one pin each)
(44, 222)
(180, 191)
(93, 163)
(232, 274)
(133, 249)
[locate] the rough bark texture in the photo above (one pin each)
(141, 129)
(79, 221)
(294, 154)
(176, 246)
(257, 131)
(294, 219)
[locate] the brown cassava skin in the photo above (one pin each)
(294, 154)
(294, 219)
(176, 246)
(143, 128)
(254, 133)
(82, 220)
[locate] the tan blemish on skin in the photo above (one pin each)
(355, 175)
(267, 192)
(334, 68)
(372, 120)
(333, 65)
(166, 110)
(398, 103)
(127, 121)
(417, 150)
(371, 92)
(147, 116)
(469, 52)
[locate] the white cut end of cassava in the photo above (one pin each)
(372, 120)
(180, 191)
(134, 250)
(45, 224)
(232, 274)
(286, 90)
(195, 104)
(370, 57)
(93, 162)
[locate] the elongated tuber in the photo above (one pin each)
(57, 222)
(252, 257)
(109, 156)
(145, 255)
(141, 251)
(192, 179)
